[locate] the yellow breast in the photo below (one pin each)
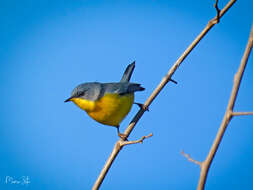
(111, 109)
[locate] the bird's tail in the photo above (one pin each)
(128, 72)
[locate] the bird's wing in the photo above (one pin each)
(121, 88)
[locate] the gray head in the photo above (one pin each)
(88, 91)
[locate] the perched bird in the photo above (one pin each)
(107, 103)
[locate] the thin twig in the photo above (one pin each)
(242, 113)
(190, 159)
(217, 10)
(160, 86)
(228, 115)
(123, 143)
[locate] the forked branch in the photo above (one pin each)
(228, 114)
(205, 165)
(154, 94)
(123, 142)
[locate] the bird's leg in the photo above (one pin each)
(141, 106)
(121, 135)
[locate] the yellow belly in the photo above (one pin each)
(111, 109)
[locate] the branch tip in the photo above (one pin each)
(188, 157)
(241, 113)
(123, 143)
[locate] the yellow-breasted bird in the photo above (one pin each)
(107, 103)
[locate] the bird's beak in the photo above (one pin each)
(69, 99)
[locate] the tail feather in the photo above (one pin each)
(128, 72)
(133, 87)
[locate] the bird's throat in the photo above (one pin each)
(84, 104)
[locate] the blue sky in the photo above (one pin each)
(49, 47)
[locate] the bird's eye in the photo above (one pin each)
(80, 93)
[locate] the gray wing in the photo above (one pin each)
(121, 87)
(95, 90)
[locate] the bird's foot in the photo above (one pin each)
(141, 106)
(121, 135)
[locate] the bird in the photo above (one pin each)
(107, 103)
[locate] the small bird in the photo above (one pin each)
(107, 103)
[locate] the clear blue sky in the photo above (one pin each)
(49, 47)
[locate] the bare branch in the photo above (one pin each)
(227, 116)
(123, 143)
(154, 94)
(217, 10)
(241, 113)
(190, 159)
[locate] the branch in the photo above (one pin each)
(228, 114)
(154, 94)
(242, 113)
(123, 143)
(190, 159)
